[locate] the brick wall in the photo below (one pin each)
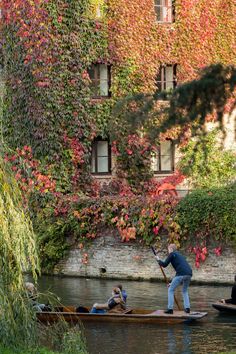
(108, 257)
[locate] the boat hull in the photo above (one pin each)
(229, 309)
(136, 316)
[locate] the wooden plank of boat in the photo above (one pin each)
(224, 307)
(69, 314)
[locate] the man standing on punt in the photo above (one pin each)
(182, 277)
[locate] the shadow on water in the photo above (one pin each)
(214, 334)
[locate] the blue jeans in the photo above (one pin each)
(94, 310)
(177, 281)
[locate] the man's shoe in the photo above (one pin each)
(169, 311)
(187, 310)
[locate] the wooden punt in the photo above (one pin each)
(225, 308)
(69, 314)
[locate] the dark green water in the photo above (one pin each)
(214, 334)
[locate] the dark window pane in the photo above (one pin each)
(166, 155)
(99, 76)
(101, 157)
(166, 78)
(103, 164)
(91, 72)
(102, 148)
(159, 86)
(158, 13)
(163, 160)
(104, 80)
(93, 159)
(169, 77)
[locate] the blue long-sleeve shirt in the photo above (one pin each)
(178, 262)
(124, 295)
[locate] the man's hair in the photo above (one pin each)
(30, 287)
(235, 277)
(119, 286)
(172, 246)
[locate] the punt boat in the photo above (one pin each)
(71, 314)
(225, 308)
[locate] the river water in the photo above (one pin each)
(213, 334)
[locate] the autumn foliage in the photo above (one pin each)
(50, 121)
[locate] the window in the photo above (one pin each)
(98, 11)
(163, 160)
(100, 80)
(101, 157)
(166, 79)
(164, 11)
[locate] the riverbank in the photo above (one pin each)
(131, 279)
(108, 258)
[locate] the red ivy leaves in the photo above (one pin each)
(27, 172)
(33, 28)
(203, 33)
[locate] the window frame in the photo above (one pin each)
(96, 81)
(158, 160)
(109, 157)
(161, 7)
(162, 72)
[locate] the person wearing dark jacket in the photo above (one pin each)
(182, 277)
(232, 300)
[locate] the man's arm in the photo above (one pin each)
(165, 263)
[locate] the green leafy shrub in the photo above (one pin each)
(206, 164)
(62, 338)
(208, 216)
(52, 240)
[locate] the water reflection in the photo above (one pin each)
(212, 335)
(183, 345)
(156, 339)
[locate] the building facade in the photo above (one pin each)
(157, 45)
(66, 65)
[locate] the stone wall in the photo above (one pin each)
(108, 257)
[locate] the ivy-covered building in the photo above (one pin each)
(158, 45)
(66, 67)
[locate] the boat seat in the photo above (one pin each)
(128, 311)
(120, 312)
(82, 309)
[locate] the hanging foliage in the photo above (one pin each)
(17, 254)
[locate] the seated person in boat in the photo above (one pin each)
(123, 292)
(232, 300)
(114, 304)
(33, 296)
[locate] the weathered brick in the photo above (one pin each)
(110, 258)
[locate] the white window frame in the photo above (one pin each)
(164, 11)
(157, 159)
(163, 82)
(95, 156)
(100, 80)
